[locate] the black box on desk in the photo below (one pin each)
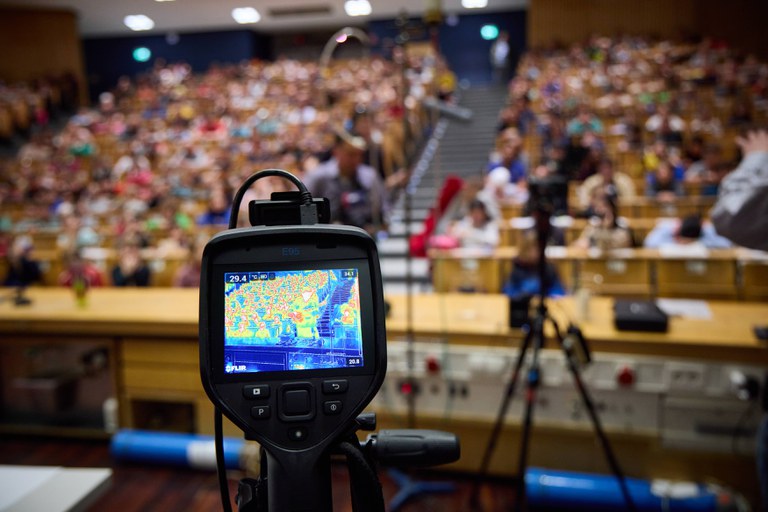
(639, 315)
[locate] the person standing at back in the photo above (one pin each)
(355, 190)
(741, 215)
(741, 211)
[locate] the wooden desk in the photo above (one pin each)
(484, 319)
(510, 229)
(641, 207)
(623, 272)
(171, 314)
(153, 337)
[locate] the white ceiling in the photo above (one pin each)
(105, 17)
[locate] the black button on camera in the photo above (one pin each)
(256, 392)
(332, 407)
(261, 412)
(296, 402)
(331, 387)
(297, 434)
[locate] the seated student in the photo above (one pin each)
(607, 177)
(524, 279)
(188, 275)
(666, 125)
(131, 269)
(663, 184)
(79, 270)
(22, 269)
(509, 155)
(605, 231)
(688, 231)
(708, 171)
(478, 229)
(585, 121)
(218, 211)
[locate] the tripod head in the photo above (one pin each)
(292, 341)
(548, 197)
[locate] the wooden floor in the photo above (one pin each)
(141, 488)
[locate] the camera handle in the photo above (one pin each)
(408, 447)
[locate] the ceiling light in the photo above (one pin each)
(138, 22)
(474, 4)
(246, 15)
(357, 7)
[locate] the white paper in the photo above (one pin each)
(18, 481)
(685, 308)
(693, 250)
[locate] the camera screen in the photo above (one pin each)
(287, 320)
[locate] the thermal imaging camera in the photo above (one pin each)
(292, 330)
(292, 349)
(292, 340)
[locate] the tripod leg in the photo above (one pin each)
(592, 411)
(534, 378)
(490, 447)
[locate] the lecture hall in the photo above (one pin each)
(369, 255)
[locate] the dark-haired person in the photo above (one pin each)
(690, 230)
(131, 269)
(478, 229)
(355, 190)
(605, 231)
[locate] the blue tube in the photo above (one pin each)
(568, 491)
(176, 449)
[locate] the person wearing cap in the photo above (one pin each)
(22, 269)
(355, 190)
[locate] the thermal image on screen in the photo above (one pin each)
(292, 320)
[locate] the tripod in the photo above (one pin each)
(535, 339)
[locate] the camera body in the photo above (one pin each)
(292, 333)
(548, 195)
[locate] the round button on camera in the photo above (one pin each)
(297, 434)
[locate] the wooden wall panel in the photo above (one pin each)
(740, 22)
(575, 20)
(743, 23)
(39, 42)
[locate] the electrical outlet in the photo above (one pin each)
(686, 377)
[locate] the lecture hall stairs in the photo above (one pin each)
(460, 148)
